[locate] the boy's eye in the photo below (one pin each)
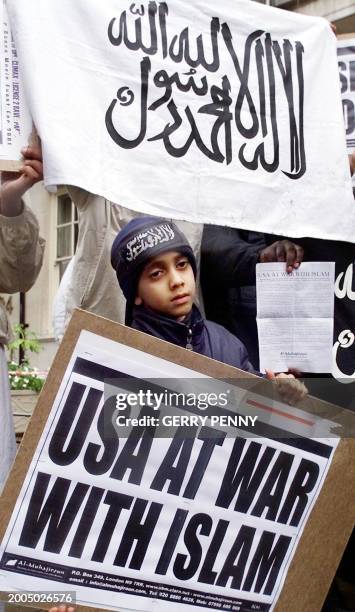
(155, 274)
(182, 264)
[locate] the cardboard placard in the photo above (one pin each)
(326, 531)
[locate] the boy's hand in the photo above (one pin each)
(291, 390)
(15, 184)
(283, 250)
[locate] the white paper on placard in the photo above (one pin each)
(186, 110)
(150, 527)
(346, 63)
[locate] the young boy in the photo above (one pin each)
(156, 270)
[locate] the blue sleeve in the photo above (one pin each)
(227, 348)
(246, 365)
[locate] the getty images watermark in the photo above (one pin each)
(156, 401)
(152, 405)
(183, 407)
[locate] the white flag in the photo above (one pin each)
(225, 113)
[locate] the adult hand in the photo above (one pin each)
(291, 390)
(15, 184)
(283, 250)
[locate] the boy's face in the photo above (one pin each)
(167, 285)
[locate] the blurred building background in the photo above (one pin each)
(59, 226)
(339, 12)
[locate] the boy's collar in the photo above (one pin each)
(168, 328)
(153, 314)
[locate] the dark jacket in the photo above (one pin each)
(195, 333)
(228, 260)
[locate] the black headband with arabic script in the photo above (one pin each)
(139, 241)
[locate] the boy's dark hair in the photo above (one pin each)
(139, 241)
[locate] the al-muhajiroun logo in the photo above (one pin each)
(33, 566)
